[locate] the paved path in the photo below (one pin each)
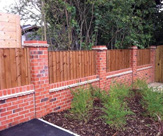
(156, 86)
(34, 127)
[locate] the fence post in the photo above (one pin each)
(153, 61)
(134, 62)
(38, 51)
(101, 64)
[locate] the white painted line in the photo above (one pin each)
(16, 95)
(73, 85)
(63, 129)
(144, 68)
(119, 74)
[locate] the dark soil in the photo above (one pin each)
(137, 124)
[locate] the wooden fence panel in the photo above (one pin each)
(14, 68)
(68, 65)
(118, 59)
(143, 57)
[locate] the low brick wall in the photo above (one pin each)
(16, 106)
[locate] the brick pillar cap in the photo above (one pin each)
(134, 47)
(99, 47)
(35, 44)
(152, 47)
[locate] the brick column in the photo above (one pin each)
(101, 64)
(153, 61)
(134, 62)
(38, 51)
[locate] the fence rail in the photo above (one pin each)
(143, 57)
(118, 59)
(14, 68)
(67, 65)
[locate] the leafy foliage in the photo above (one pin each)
(81, 104)
(152, 99)
(153, 103)
(76, 24)
(115, 109)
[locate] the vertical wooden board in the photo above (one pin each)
(84, 57)
(62, 64)
(88, 56)
(74, 64)
(114, 60)
(28, 66)
(77, 64)
(71, 65)
(124, 59)
(121, 60)
(94, 64)
(22, 67)
(13, 68)
(58, 71)
(109, 61)
(91, 54)
(85, 63)
(2, 70)
(7, 67)
(54, 68)
(116, 56)
(68, 66)
(157, 65)
(82, 63)
(91, 62)
(88, 64)
(18, 66)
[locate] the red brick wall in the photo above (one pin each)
(55, 97)
(16, 109)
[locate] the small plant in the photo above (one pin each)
(99, 94)
(140, 84)
(115, 108)
(153, 103)
(152, 100)
(119, 91)
(81, 104)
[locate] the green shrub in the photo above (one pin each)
(81, 104)
(152, 100)
(119, 91)
(140, 84)
(153, 103)
(115, 108)
(99, 94)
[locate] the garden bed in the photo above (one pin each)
(137, 124)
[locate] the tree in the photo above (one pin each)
(80, 24)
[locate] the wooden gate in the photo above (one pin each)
(159, 64)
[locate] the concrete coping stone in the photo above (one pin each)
(16, 94)
(119, 74)
(73, 85)
(144, 68)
